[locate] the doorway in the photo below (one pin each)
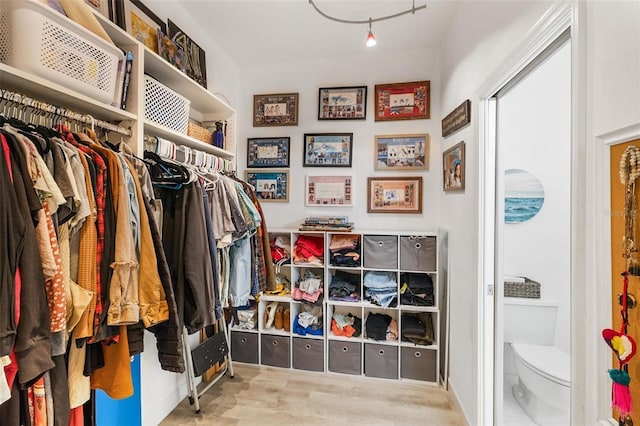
(532, 333)
(527, 242)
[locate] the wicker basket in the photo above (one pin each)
(198, 132)
(529, 289)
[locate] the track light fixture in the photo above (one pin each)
(371, 40)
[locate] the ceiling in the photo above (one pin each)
(262, 32)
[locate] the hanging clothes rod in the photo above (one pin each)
(20, 99)
(183, 154)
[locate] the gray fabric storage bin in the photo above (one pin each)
(380, 361)
(244, 347)
(418, 253)
(380, 251)
(275, 350)
(418, 364)
(308, 354)
(345, 357)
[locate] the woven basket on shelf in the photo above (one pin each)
(198, 132)
(529, 289)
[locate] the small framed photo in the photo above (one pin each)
(329, 191)
(342, 103)
(195, 60)
(402, 152)
(453, 166)
(142, 23)
(270, 185)
(268, 152)
(402, 101)
(394, 194)
(327, 149)
(275, 110)
(170, 51)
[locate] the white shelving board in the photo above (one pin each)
(53, 93)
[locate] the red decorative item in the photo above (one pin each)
(622, 344)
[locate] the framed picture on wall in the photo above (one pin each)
(327, 149)
(402, 152)
(329, 191)
(453, 166)
(268, 152)
(142, 23)
(270, 185)
(275, 110)
(402, 101)
(342, 103)
(394, 194)
(195, 58)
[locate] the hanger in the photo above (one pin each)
(167, 173)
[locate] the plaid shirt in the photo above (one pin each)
(100, 197)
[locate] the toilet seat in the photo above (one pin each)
(548, 361)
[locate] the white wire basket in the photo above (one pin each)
(164, 106)
(35, 38)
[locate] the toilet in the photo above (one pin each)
(543, 387)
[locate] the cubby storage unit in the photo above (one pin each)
(400, 277)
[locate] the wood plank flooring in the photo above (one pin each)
(259, 395)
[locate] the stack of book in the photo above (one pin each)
(327, 223)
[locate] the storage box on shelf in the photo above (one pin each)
(165, 107)
(57, 49)
(416, 263)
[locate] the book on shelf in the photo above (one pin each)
(327, 220)
(117, 93)
(347, 227)
(127, 79)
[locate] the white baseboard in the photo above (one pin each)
(455, 402)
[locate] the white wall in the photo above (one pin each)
(368, 69)
(612, 116)
(482, 34)
(534, 134)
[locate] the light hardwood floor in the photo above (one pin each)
(267, 396)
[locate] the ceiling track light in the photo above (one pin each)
(371, 40)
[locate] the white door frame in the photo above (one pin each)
(552, 24)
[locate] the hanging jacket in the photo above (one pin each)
(32, 344)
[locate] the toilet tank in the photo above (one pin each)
(529, 320)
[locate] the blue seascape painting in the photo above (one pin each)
(524, 196)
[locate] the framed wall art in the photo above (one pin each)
(195, 58)
(270, 185)
(268, 152)
(327, 149)
(402, 101)
(453, 165)
(402, 152)
(394, 194)
(170, 51)
(142, 23)
(329, 191)
(275, 110)
(457, 119)
(342, 103)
